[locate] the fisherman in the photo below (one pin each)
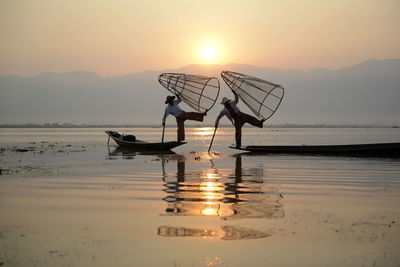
(238, 118)
(180, 115)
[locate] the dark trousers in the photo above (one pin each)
(240, 120)
(180, 120)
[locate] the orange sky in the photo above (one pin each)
(125, 36)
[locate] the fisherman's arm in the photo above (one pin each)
(221, 114)
(236, 97)
(166, 113)
(178, 98)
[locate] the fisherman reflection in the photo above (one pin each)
(180, 178)
(242, 194)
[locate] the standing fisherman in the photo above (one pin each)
(180, 115)
(238, 118)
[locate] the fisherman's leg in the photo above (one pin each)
(250, 119)
(181, 129)
(194, 116)
(239, 122)
(238, 135)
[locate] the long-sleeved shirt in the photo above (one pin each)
(225, 111)
(174, 110)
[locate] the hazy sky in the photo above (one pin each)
(126, 36)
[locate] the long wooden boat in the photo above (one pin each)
(140, 145)
(379, 149)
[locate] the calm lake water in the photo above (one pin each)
(67, 199)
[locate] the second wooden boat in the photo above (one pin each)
(379, 149)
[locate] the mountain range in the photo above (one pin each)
(366, 93)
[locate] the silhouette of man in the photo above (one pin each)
(238, 118)
(180, 115)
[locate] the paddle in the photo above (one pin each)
(212, 139)
(163, 130)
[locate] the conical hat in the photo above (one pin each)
(169, 98)
(224, 100)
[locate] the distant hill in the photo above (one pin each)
(366, 93)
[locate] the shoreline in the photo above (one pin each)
(69, 126)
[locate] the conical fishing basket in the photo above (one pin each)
(262, 97)
(199, 92)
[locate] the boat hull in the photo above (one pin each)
(145, 146)
(380, 149)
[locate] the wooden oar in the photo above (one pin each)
(163, 130)
(212, 139)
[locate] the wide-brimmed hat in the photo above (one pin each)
(169, 98)
(224, 100)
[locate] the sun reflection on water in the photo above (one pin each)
(211, 175)
(210, 187)
(209, 211)
(203, 131)
(213, 261)
(228, 194)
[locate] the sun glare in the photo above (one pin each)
(209, 53)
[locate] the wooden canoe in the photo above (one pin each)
(142, 145)
(379, 149)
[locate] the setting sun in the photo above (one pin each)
(209, 53)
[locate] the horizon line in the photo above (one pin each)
(278, 125)
(202, 65)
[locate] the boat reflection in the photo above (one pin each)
(209, 192)
(227, 232)
(170, 231)
(129, 153)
